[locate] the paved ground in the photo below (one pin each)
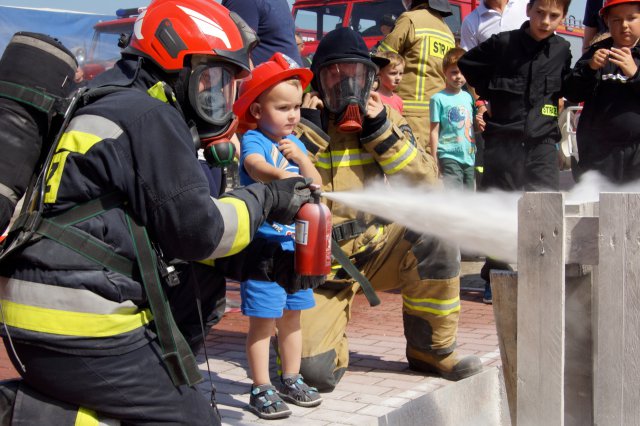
(377, 381)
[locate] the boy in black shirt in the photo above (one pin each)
(520, 74)
(606, 79)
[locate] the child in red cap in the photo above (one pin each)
(271, 98)
(606, 80)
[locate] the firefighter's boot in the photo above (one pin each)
(449, 366)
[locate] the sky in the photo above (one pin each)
(109, 7)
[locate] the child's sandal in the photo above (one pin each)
(296, 391)
(267, 404)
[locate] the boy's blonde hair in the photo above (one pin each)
(394, 58)
(452, 57)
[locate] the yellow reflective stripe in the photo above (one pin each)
(399, 160)
(421, 32)
(77, 141)
(432, 306)
(344, 158)
(86, 417)
(54, 176)
(66, 323)
(241, 234)
(421, 74)
(208, 262)
(385, 47)
(83, 132)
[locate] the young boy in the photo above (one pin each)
(520, 74)
(452, 116)
(389, 78)
(606, 79)
(271, 98)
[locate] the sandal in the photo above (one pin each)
(267, 404)
(296, 391)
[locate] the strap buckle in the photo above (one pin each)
(347, 230)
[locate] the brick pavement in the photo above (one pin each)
(377, 381)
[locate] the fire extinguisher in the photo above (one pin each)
(313, 238)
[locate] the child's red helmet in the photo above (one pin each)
(278, 68)
(610, 3)
(170, 30)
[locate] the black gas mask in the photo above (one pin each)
(345, 85)
(207, 101)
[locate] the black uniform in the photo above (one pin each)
(609, 126)
(86, 333)
(521, 78)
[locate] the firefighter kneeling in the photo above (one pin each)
(355, 139)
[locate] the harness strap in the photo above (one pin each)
(27, 95)
(348, 230)
(180, 361)
(344, 261)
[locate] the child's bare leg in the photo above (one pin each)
(258, 339)
(290, 342)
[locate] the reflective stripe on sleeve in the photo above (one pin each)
(344, 158)
(237, 230)
(397, 162)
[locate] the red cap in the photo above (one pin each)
(278, 68)
(610, 3)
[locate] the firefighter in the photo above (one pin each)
(422, 37)
(355, 140)
(85, 315)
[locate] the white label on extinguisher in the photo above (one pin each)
(302, 232)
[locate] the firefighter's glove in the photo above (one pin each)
(286, 196)
(285, 275)
(370, 125)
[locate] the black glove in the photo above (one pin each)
(287, 196)
(266, 261)
(372, 125)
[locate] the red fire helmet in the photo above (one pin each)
(610, 3)
(278, 68)
(169, 30)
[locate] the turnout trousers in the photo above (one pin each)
(424, 268)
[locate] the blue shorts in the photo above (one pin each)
(265, 299)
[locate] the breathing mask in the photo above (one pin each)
(210, 93)
(345, 85)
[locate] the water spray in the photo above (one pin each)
(481, 223)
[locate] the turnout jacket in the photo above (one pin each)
(611, 113)
(351, 162)
(422, 38)
(522, 80)
(136, 143)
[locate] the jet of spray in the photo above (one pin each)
(482, 223)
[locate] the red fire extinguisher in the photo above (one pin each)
(313, 239)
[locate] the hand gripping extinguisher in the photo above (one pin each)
(313, 238)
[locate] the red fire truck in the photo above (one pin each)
(103, 50)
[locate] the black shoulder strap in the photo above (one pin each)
(366, 286)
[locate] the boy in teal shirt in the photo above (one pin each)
(451, 137)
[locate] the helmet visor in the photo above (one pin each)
(212, 92)
(346, 81)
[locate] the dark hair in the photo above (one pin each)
(563, 4)
(452, 57)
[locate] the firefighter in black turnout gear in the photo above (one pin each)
(84, 309)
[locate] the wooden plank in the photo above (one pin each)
(578, 369)
(541, 297)
(582, 240)
(504, 286)
(617, 303)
